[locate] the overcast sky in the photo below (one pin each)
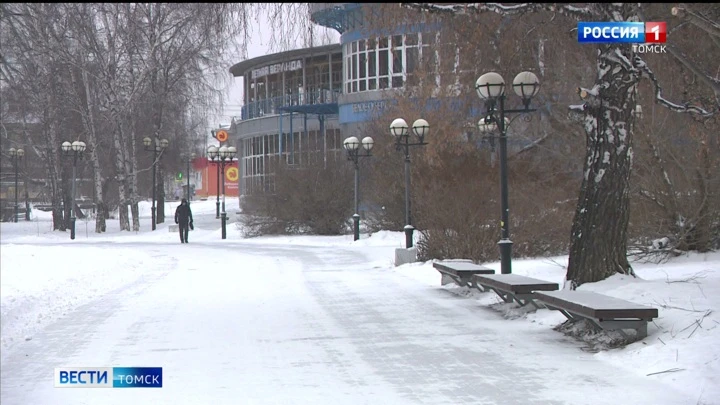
(258, 46)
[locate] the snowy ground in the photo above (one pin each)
(325, 320)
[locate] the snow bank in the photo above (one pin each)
(39, 284)
(682, 347)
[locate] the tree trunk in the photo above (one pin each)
(598, 246)
(123, 215)
(94, 158)
(51, 158)
(131, 167)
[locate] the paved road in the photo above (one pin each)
(250, 324)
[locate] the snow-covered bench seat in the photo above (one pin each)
(459, 272)
(513, 287)
(603, 312)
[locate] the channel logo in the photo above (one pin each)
(622, 32)
(108, 377)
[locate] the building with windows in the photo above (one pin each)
(299, 105)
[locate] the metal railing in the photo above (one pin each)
(271, 106)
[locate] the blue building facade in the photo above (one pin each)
(299, 105)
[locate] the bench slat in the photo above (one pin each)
(515, 283)
(596, 305)
(462, 267)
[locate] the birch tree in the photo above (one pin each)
(35, 76)
(598, 246)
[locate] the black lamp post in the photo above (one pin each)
(16, 155)
(189, 158)
(156, 148)
(491, 88)
(75, 150)
(352, 146)
(27, 197)
(399, 129)
(225, 156)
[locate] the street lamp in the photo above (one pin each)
(490, 87)
(75, 150)
(189, 157)
(224, 155)
(399, 129)
(16, 155)
(156, 150)
(352, 146)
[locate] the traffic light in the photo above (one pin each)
(179, 176)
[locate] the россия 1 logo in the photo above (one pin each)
(646, 37)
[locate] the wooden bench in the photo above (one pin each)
(513, 287)
(459, 272)
(602, 311)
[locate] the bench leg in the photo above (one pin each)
(474, 284)
(505, 297)
(445, 279)
(639, 325)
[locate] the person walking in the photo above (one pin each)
(183, 217)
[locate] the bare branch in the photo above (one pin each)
(498, 8)
(697, 20)
(709, 81)
(647, 72)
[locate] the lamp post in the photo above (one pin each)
(156, 148)
(224, 155)
(75, 150)
(490, 87)
(399, 129)
(27, 196)
(352, 146)
(189, 157)
(16, 155)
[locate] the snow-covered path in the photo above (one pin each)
(245, 323)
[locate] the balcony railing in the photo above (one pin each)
(271, 106)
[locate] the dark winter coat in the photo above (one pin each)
(183, 214)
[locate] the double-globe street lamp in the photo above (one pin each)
(490, 87)
(16, 155)
(156, 148)
(352, 146)
(225, 156)
(75, 150)
(399, 129)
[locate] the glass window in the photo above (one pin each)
(348, 68)
(397, 82)
(383, 43)
(363, 66)
(354, 68)
(383, 82)
(383, 62)
(354, 86)
(397, 61)
(397, 40)
(372, 62)
(372, 83)
(371, 42)
(354, 47)
(361, 45)
(363, 85)
(411, 39)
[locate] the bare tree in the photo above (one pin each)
(598, 246)
(34, 76)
